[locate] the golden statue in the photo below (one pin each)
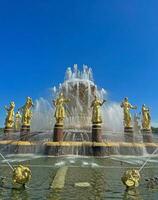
(21, 174)
(131, 178)
(9, 121)
(96, 114)
(127, 116)
(26, 112)
(146, 118)
(60, 110)
(17, 121)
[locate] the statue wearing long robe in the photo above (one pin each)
(126, 110)
(60, 110)
(26, 112)
(146, 118)
(96, 112)
(9, 121)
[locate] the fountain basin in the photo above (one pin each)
(77, 148)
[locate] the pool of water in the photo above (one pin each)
(103, 176)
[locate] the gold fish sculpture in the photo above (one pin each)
(21, 174)
(131, 178)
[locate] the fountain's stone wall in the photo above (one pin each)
(76, 148)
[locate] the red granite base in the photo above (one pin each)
(58, 133)
(24, 133)
(147, 135)
(96, 133)
(128, 133)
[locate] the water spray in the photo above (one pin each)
(131, 178)
(140, 169)
(7, 161)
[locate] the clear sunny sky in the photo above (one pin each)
(39, 39)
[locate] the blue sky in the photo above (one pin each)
(118, 39)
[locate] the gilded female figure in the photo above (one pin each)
(96, 114)
(126, 110)
(9, 121)
(60, 110)
(146, 118)
(26, 112)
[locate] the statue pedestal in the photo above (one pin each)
(147, 135)
(7, 133)
(24, 132)
(96, 133)
(8, 130)
(58, 132)
(128, 133)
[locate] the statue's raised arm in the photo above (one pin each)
(133, 107)
(103, 102)
(6, 108)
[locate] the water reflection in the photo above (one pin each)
(98, 183)
(13, 194)
(102, 175)
(54, 195)
(19, 194)
(132, 194)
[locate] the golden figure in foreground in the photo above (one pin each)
(21, 175)
(146, 118)
(131, 178)
(126, 109)
(26, 112)
(9, 121)
(96, 114)
(17, 121)
(60, 110)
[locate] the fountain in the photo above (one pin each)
(82, 150)
(82, 122)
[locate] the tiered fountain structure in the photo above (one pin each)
(78, 133)
(79, 87)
